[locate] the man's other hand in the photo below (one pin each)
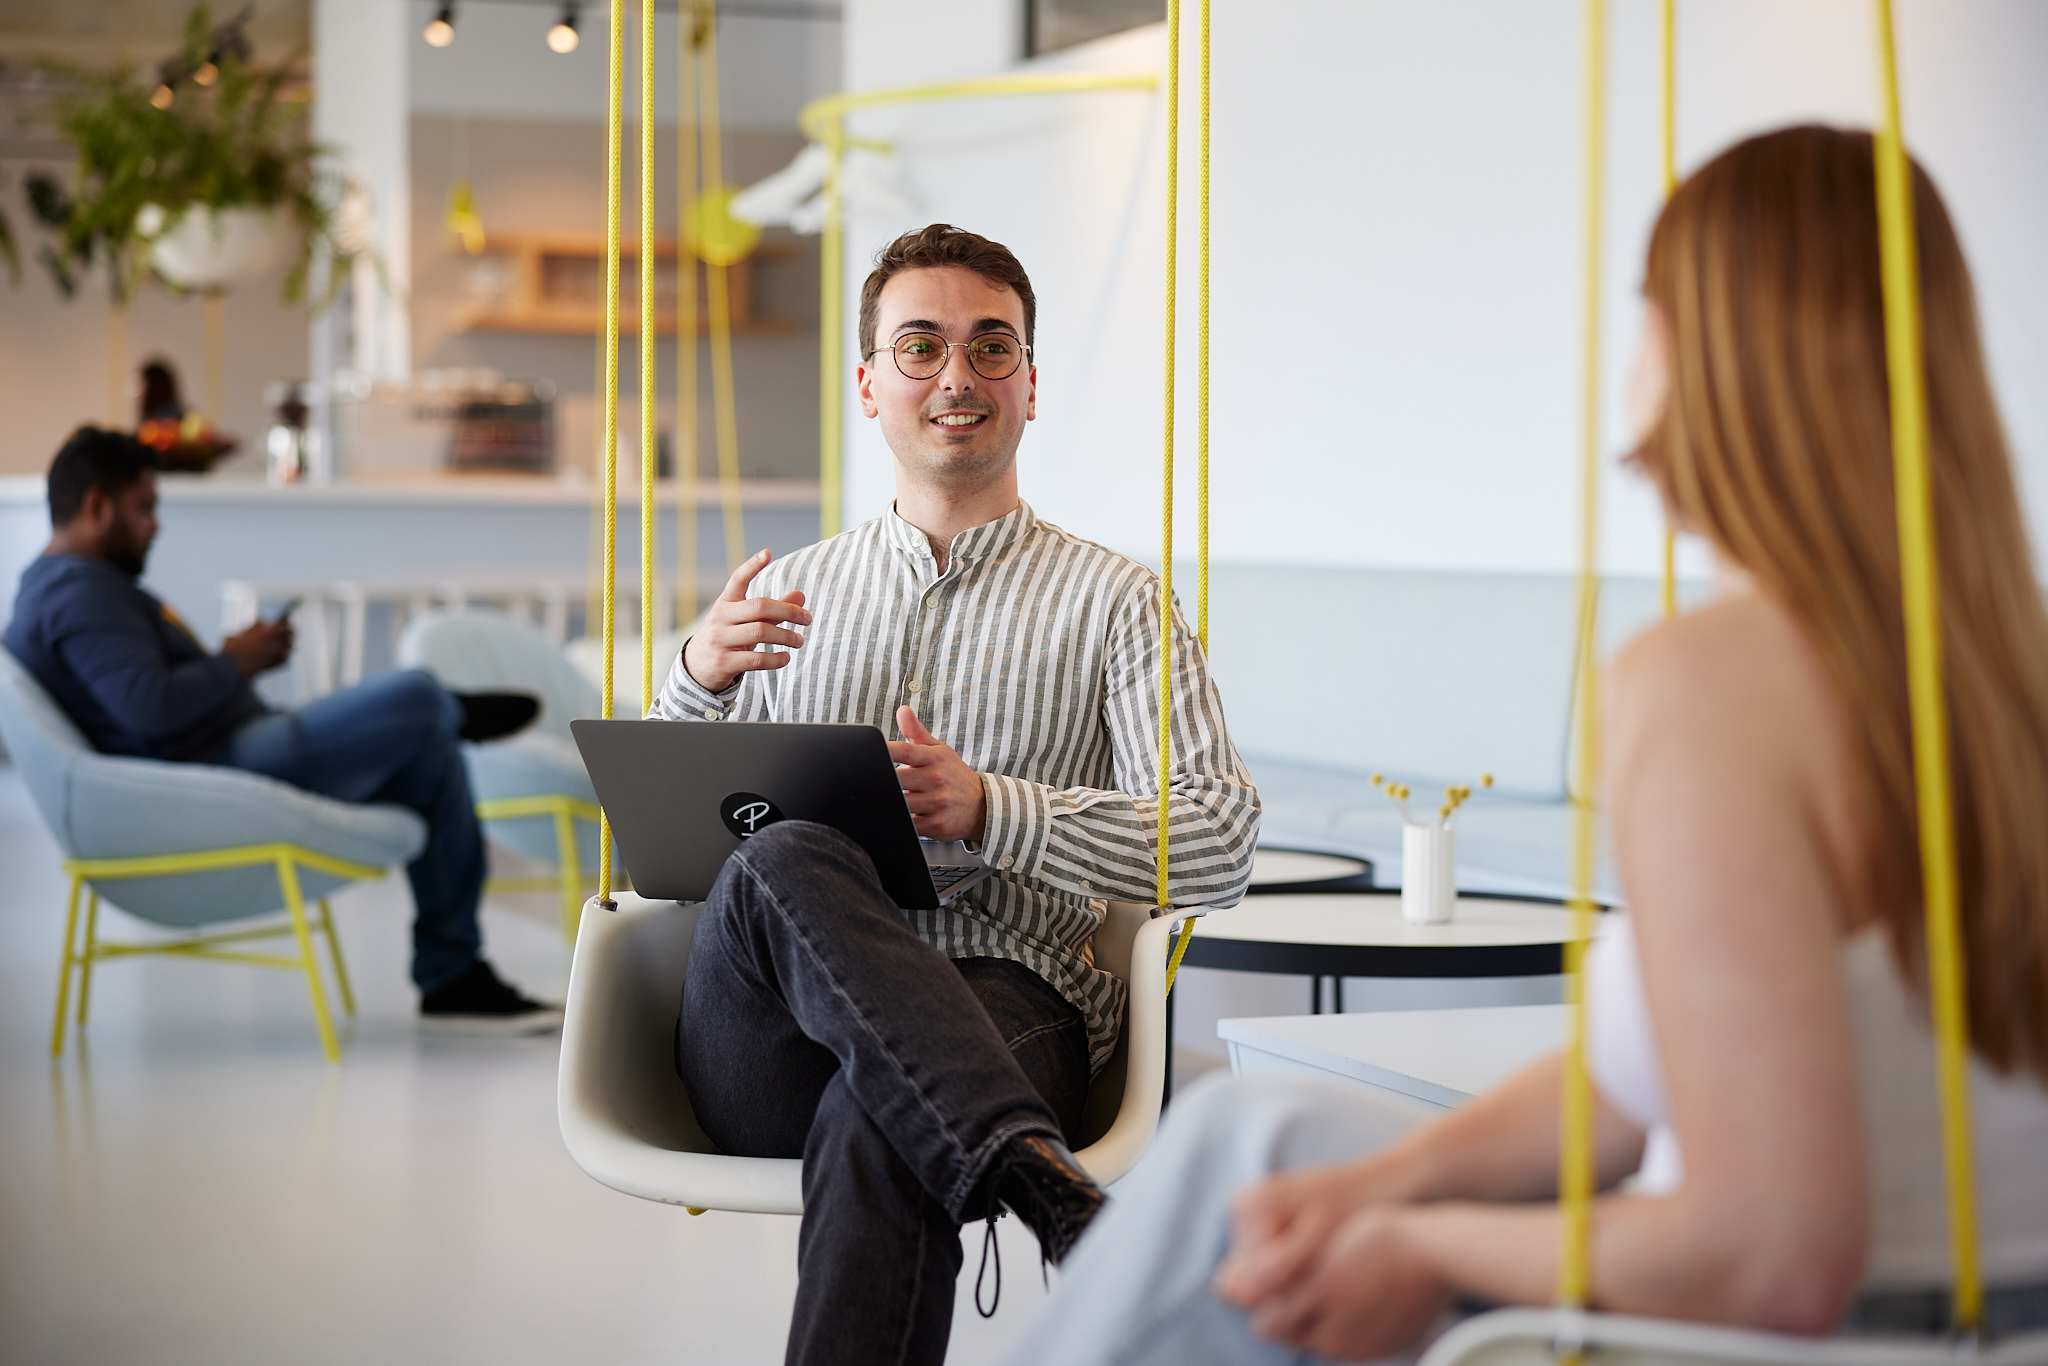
(261, 648)
(944, 795)
(723, 647)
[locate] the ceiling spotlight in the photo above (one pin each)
(563, 37)
(440, 31)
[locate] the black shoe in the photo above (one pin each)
(494, 715)
(1039, 1181)
(478, 1002)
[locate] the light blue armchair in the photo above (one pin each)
(532, 792)
(187, 846)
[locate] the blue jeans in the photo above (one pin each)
(816, 1024)
(1135, 1291)
(391, 739)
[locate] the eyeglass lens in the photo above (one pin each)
(994, 355)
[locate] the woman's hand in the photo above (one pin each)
(1353, 1290)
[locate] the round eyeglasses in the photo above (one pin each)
(922, 355)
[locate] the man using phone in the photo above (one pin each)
(931, 1066)
(134, 678)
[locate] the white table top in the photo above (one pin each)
(1445, 1057)
(1375, 918)
(1292, 865)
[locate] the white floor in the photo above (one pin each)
(192, 1183)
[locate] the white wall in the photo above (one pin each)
(360, 52)
(1399, 186)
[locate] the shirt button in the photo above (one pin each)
(932, 600)
(916, 685)
(711, 713)
(1005, 861)
(1087, 886)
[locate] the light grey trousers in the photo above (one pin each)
(1135, 1292)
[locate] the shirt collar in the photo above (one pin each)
(975, 543)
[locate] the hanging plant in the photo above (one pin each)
(213, 134)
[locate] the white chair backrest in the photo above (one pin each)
(489, 652)
(46, 747)
(627, 1121)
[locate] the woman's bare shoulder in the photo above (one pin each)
(1740, 670)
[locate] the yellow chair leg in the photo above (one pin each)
(348, 996)
(295, 902)
(64, 972)
(85, 959)
(569, 860)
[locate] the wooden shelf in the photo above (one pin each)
(557, 287)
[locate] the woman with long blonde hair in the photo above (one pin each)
(1767, 1128)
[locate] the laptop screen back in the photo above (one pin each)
(683, 795)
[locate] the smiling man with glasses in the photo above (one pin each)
(930, 1066)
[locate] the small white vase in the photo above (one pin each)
(1429, 873)
(214, 248)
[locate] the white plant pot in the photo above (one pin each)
(212, 249)
(1429, 873)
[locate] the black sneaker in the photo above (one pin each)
(478, 1002)
(494, 715)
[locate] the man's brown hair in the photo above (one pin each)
(942, 244)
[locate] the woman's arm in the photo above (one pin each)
(1501, 1147)
(1723, 747)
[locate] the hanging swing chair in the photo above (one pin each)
(624, 1114)
(1569, 1332)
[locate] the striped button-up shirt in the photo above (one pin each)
(1036, 657)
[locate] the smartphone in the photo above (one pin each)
(284, 613)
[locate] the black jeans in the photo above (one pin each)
(816, 1024)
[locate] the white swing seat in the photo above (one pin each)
(627, 1122)
(1528, 1337)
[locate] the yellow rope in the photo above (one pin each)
(832, 335)
(1575, 1160)
(688, 26)
(723, 404)
(593, 586)
(1166, 449)
(1202, 356)
(648, 342)
(1669, 33)
(1920, 591)
(611, 396)
(1187, 927)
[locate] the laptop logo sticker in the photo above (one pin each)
(746, 814)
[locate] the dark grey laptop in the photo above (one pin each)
(682, 795)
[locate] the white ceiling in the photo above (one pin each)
(500, 67)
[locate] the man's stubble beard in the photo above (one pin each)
(953, 469)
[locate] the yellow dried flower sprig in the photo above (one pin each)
(1454, 797)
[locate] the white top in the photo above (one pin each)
(1901, 1117)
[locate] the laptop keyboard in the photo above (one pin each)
(944, 876)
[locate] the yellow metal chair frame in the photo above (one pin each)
(569, 879)
(285, 858)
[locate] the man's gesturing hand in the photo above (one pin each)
(723, 647)
(943, 793)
